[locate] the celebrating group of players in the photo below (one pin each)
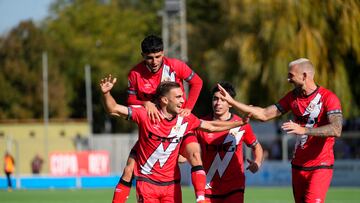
(213, 145)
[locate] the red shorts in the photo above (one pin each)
(151, 193)
(311, 186)
(237, 197)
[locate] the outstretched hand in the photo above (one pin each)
(107, 83)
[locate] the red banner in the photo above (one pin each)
(84, 163)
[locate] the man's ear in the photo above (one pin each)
(305, 75)
(164, 100)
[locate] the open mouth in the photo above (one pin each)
(153, 68)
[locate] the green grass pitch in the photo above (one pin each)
(252, 194)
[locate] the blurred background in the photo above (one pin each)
(51, 64)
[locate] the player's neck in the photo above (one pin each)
(309, 89)
(166, 114)
(224, 117)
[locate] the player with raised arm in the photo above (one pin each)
(156, 169)
(317, 122)
(222, 155)
(143, 80)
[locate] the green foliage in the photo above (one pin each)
(106, 35)
(259, 38)
(21, 76)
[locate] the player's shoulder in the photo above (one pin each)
(173, 62)
(137, 112)
(235, 117)
(323, 90)
(191, 119)
(326, 93)
(191, 116)
(138, 108)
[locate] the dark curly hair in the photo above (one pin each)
(152, 44)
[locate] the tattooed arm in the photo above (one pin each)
(333, 129)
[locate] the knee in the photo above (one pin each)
(195, 158)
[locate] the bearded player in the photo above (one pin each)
(317, 122)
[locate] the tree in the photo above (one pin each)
(259, 39)
(106, 35)
(21, 76)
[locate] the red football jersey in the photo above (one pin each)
(312, 111)
(159, 144)
(142, 83)
(222, 157)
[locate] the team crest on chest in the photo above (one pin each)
(176, 128)
(310, 107)
(167, 75)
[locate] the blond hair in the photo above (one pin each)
(305, 64)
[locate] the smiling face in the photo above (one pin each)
(296, 76)
(153, 61)
(174, 100)
(220, 106)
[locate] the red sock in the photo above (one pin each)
(198, 179)
(121, 192)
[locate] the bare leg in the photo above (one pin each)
(129, 169)
(192, 153)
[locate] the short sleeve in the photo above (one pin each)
(137, 113)
(283, 104)
(249, 137)
(332, 104)
(194, 122)
(183, 70)
(131, 83)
